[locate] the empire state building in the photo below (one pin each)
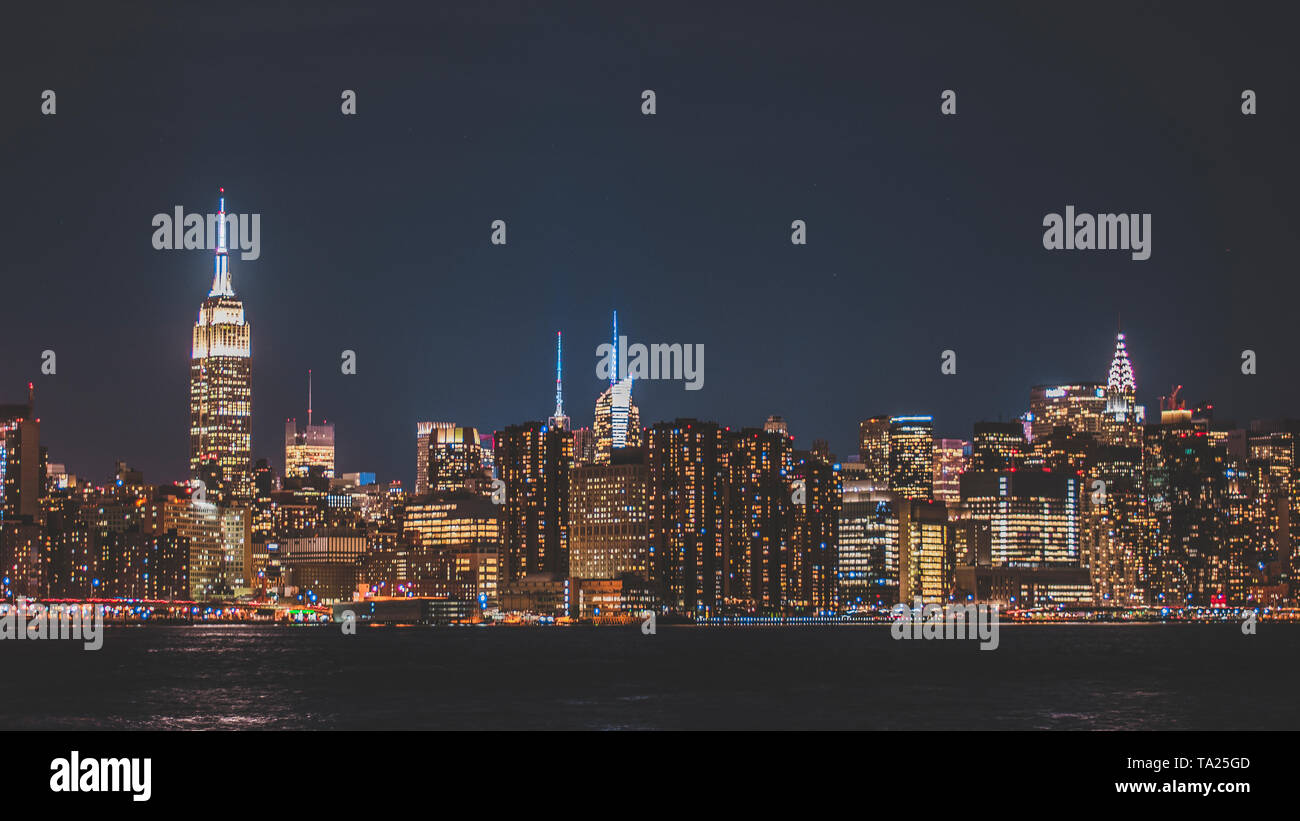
(221, 384)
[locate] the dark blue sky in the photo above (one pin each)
(924, 231)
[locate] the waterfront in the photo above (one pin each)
(1164, 676)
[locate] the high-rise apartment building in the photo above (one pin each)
(688, 495)
(533, 460)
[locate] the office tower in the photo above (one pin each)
(873, 448)
(1115, 525)
(911, 456)
(998, 446)
(867, 547)
(813, 587)
(221, 384)
(533, 461)
(950, 459)
(1199, 535)
(609, 522)
(618, 421)
(1081, 407)
(455, 548)
(1124, 418)
(312, 448)
(1034, 515)
(688, 465)
(558, 419)
(926, 559)
(425, 435)
(423, 430)
(322, 568)
(1272, 463)
(760, 488)
(776, 424)
(455, 460)
(22, 467)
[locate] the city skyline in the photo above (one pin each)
(276, 454)
(1121, 369)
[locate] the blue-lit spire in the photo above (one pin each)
(613, 371)
(559, 371)
(220, 266)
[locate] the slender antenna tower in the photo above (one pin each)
(559, 371)
(309, 397)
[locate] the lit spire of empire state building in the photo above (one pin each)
(221, 381)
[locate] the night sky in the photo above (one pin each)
(924, 231)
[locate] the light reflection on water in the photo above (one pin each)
(274, 677)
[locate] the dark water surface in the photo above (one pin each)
(853, 677)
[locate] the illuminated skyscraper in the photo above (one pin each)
(1124, 418)
(1114, 519)
(950, 459)
(311, 448)
(813, 587)
(873, 448)
(422, 432)
(1080, 407)
(1198, 533)
(867, 547)
(455, 459)
(457, 546)
(609, 521)
(221, 380)
(618, 421)
(759, 521)
(22, 471)
(534, 461)
(926, 557)
(1034, 515)
(997, 446)
(911, 456)
(688, 494)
